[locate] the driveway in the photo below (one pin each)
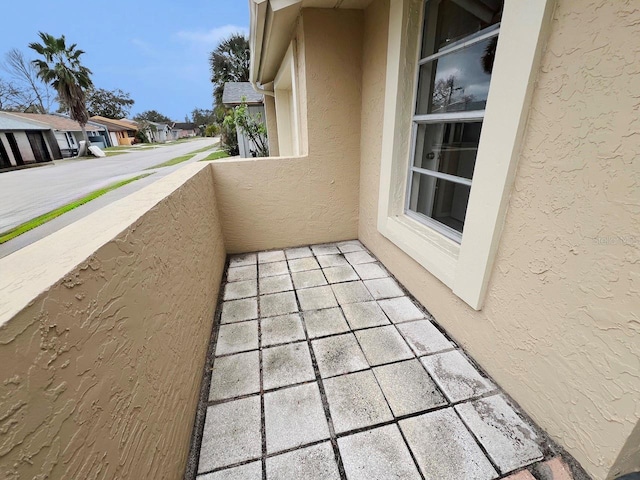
(28, 193)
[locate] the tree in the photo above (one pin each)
(229, 62)
(63, 70)
(152, 116)
(109, 103)
(251, 125)
(29, 93)
(203, 117)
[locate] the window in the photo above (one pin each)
(459, 39)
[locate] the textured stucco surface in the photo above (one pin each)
(560, 329)
(103, 337)
(287, 201)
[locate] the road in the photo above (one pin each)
(28, 193)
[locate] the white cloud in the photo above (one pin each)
(210, 38)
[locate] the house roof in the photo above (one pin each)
(55, 122)
(11, 122)
(234, 92)
(184, 126)
(114, 125)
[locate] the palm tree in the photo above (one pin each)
(229, 62)
(61, 68)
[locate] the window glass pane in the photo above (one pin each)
(444, 201)
(458, 81)
(448, 147)
(450, 21)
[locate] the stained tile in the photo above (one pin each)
(239, 310)
(303, 264)
(444, 448)
(370, 271)
(316, 298)
(277, 284)
(340, 274)
(356, 401)
(423, 337)
(271, 256)
(356, 258)
(350, 246)
(310, 278)
(383, 288)
(272, 269)
(383, 345)
(327, 261)
(294, 417)
(235, 375)
(231, 434)
(321, 323)
(299, 252)
(250, 471)
(242, 260)
(408, 388)
(237, 337)
(351, 292)
(338, 355)
(400, 309)
(243, 289)
(317, 462)
(236, 274)
(363, 315)
(282, 329)
(325, 250)
(508, 440)
(455, 376)
(286, 365)
(276, 304)
(379, 454)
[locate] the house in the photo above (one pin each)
(183, 130)
(503, 200)
(120, 132)
(68, 132)
(236, 93)
(24, 142)
(158, 132)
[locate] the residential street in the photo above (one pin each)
(28, 193)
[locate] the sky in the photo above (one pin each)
(155, 50)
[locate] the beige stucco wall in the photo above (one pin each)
(103, 337)
(559, 329)
(287, 201)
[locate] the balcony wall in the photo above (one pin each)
(103, 337)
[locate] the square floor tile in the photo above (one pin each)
(299, 252)
(286, 365)
(237, 337)
(231, 434)
(243, 289)
(272, 269)
(423, 337)
(356, 401)
(408, 387)
(316, 298)
(509, 441)
(455, 376)
(383, 345)
(236, 274)
(327, 261)
(363, 315)
(283, 329)
(356, 258)
(321, 323)
(235, 375)
(400, 309)
(242, 260)
(303, 264)
(250, 471)
(383, 288)
(239, 310)
(312, 463)
(294, 417)
(351, 292)
(350, 246)
(310, 278)
(277, 284)
(370, 271)
(340, 274)
(277, 304)
(379, 454)
(271, 256)
(444, 448)
(338, 355)
(325, 250)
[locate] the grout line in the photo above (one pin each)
(263, 426)
(477, 440)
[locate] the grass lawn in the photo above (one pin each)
(36, 222)
(215, 156)
(173, 161)
(204, 149)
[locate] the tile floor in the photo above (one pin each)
(326, 369)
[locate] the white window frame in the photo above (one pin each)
(463, 267)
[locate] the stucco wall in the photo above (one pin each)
(560, 329)
(288, 201)
(103, 337)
